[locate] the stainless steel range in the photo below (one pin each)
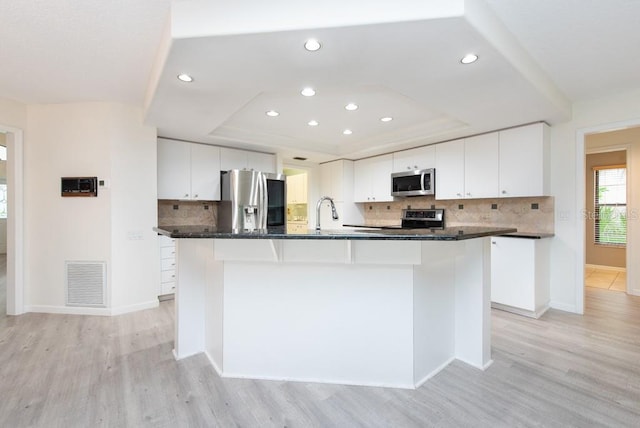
(432, 218)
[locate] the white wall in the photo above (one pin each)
(567, 146)
(89, 139)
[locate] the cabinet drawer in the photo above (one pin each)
(168, 264)
(168, 276)
(168, 288)
(167, 252)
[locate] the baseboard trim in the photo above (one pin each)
(602, 267)
(524, 312)
(213, 363)
(563, 307)
(78, 310)
(433, 373)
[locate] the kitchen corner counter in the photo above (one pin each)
(386, 307)
(448, 234)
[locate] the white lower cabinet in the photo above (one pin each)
(520, 275)
(167, 265)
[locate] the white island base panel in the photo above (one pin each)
(382, 313)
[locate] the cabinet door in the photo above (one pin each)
(174, 169)
(262, 162)
(380, 176)
(481, 166)
(232, 159)
(450, 170)
(294, 189)
(524, 161)
(332, 180)
(418, 158)
(361, 181)
(513, 273)
(205, 172)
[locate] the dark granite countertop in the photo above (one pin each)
(528, 235)
(449, 234)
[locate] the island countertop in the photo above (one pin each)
(456, 233)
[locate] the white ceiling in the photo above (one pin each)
(392, 58)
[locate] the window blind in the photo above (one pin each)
(610, 205)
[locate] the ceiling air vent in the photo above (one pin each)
(86, 283)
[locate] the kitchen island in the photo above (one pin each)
(365, 307)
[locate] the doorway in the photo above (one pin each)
(14, 287)
(606, 219)
(621, 144)
(297, 200)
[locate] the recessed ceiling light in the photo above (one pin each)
(272, 113)
(313, 123)
(347, 132)
(185, 77)
(308, 92)
(351, 107)
(312, 45)
(469, 58)
(386, 119)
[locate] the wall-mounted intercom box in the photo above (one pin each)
(79, 186)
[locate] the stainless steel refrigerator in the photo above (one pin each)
(252, 201)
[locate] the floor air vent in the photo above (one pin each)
(86, 283)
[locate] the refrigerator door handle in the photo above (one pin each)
(264, 201)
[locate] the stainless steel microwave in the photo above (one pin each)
(414, 183)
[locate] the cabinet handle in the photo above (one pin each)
(195, 196)
(186, 195)
(373, 199)
(493, 242)
(468, 194)
(504, 192)
(409, 167)
(415, 167)
(459, 195)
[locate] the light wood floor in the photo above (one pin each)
(561, 370)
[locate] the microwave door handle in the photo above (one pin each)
(422, 184)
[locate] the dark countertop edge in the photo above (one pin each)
(528, 235)
(337, 235)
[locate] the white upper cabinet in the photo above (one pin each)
(241, 159)
(372, 179)
(205, 172)
(413, 159)
(481, 166)
(174, 169)
(450, 170)
(333, 178)
(524, 161)
(510, 163)
(188, 171)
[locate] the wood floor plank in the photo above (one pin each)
(560, 370)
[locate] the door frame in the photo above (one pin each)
(15, 220)
(581, 161)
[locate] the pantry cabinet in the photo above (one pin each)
(520, 275)
(414, 159)
(188, 171)
(372, 179)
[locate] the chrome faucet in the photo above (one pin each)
(334, 213)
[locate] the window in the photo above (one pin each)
(3, 201)
(610, 205)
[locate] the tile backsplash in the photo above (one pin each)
(192, 213)
(534, 215)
